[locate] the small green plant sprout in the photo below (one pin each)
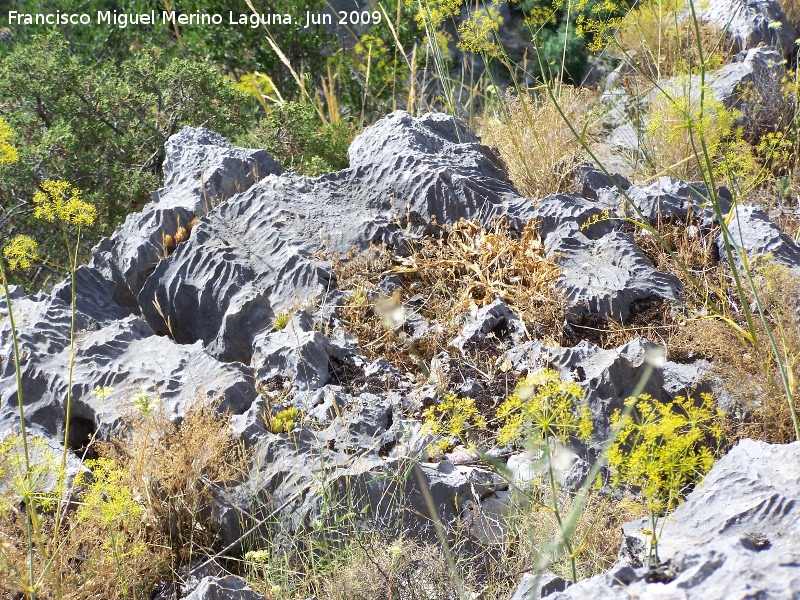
(145, 404)
(285, 420)
(544, 410)
(358, 297)
(280, 321)
(102, 392)
(663, 449)
(453, 417)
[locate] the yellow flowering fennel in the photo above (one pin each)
(478, 33)
(663, 448)
(453, 417)
(543, 409)
(8, 153)
(56, 201)
(20, 252)
(110, 505)
(36, 484)
(63, 201)
(544, 406)
(433, 13)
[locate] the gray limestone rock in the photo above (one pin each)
(751, 22)
(606, 276)
(297, 353)
(496, 319)
(737, 535)
(753, 85)
(559, 215)
(603, 270)
(668, 199)
(591, 181)
(533, 587)
(93, 297)
(201, 170)
(229, 587)
(125, 355)
(258, 252)
(757, 236)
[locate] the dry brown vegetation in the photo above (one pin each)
(142, 515)
(465, 269)
(597, 534)
(746, 376)
(537, 146)
(660, 42)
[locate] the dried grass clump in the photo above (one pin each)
(535, 143)
(471, 266)
(755, 401)
(142, 514)
(380, 568)
(174, 469)
(792, 10)
(597, 535)
(466, 268)
(660, 43)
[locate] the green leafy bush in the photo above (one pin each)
(295, 135)
(102, 128)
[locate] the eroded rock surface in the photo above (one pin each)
(736, 536)
(198, 322)
(749, 23)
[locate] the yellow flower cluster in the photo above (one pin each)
(664, 447)
(478, 33)
(8, 153)
(776, 147)
(433, 13)
(108, 501)
(20, 252)
(63, 201)
(453, 417)
(36, 486)
(544, 406)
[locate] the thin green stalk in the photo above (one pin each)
(73, 259)
(438, 58)
(788, 388)
(451, 563)
(565, 536)
(29, 505)
(653, 537)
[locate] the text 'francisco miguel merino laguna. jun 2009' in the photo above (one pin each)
(171, 17)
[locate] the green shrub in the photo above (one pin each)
(295, 135)
(100, 127)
